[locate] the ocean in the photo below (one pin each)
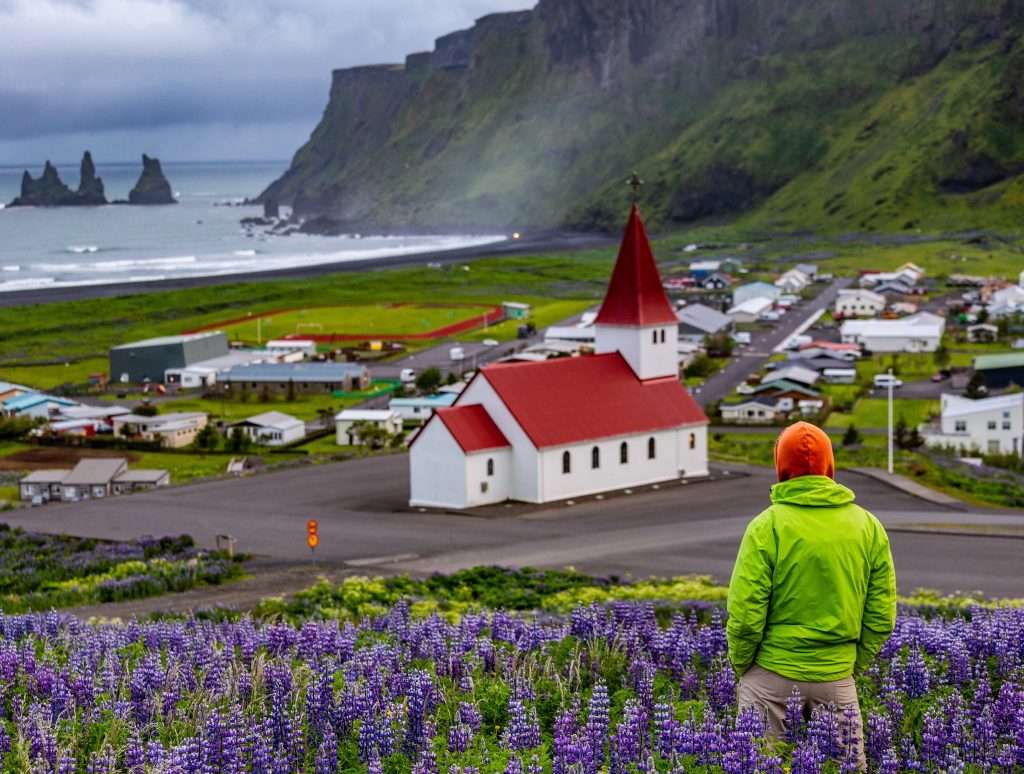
(200, 236)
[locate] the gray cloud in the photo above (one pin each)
(115, 71)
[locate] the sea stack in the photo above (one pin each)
(152, 187)
(90, 187)
(46, 191)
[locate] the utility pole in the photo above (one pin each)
(890, 424)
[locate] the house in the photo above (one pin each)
(921, 332)
(858, 302)
(272, 428)
(9, 390)
(697, 321)
(907, 275)
(716, 281)
(754, 290)
(42, 486)
(839, 375)
(35, 405)
(92, 478)
(829, 349)
(205, 373)
(284, 347)
(300, 378)
(754, 411)
(572, 427)
(419, 410)
(819, 363)
(173, 431)
(388, 420)
(149, 360)
(793, 373)
(786, 394)
(140, 480)
(982, 333)
(513, 310)
(990, 425)
(903, 308)
(894, 287)
(1001, 371)
(793, 281)
(810, 270)
(1006, 302)
(751, 310)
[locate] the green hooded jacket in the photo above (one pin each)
(813, 592)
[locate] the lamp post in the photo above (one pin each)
(890, 423)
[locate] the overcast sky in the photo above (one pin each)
(193, 79)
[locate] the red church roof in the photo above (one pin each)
(635, 295)
(571, 400)
(472, 428)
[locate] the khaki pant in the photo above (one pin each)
(768, 693)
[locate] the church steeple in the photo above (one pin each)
(636, 318)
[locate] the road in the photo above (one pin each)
(753, 357)
(365, 524)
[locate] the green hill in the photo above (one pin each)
(833, 115)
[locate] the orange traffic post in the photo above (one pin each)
(312, 534)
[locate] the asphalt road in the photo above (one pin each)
(750, 359)
(364, 523)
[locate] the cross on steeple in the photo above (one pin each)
(635, 183)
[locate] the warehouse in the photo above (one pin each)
(296, 378)
(148, 360)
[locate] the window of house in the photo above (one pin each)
(566, 463)
(652, 449)
(992, 425)
(960, 426)
(595, 458)
(490, 467)
(693, 440)
(623, 453)
(1006, 425)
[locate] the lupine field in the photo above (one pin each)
(610, 688)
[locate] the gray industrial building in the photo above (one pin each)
(145, 360)
(300, 378)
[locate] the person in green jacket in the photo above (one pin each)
(813, 592)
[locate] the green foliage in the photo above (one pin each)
(239, 441)
(852, 436)
(429, 379)
(207, 439)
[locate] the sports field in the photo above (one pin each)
(386, 321)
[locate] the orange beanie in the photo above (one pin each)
(804, 450)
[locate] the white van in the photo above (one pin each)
(407, 376)
(456, 354)
(884, 381)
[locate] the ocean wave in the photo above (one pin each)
(82, 249)
(245, 253)
(11, 267)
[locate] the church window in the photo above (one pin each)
(662, 335)
(652, 449)
(623, 453)
(566, 463)
(595, 458)
(654, 337)
(490, 467)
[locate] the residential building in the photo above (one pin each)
(755, 290)
(42, 486)
(92, 478)
(982, 333)
(716, 281)
(570, 427)
(139, 480)
(35, 405)
(903, 308)
(753, 411)
(858, 302)
(173, 431)
(205, 373)
(419, 410)
(908, 274)
(834, 349)
(1006, 302)
(810, 270)
(792, 373)
(921, 332)
(697, 321)
(299, 378)
(894, 287)
(1001, 371)
(345, 424)
(750, 311)
(149, 360)
(989, 425)
(793, 281)
(272, 428)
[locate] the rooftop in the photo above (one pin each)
(365, 415)
(703, 318)
(442, 399)
(472, 428)
(141, 476)
(755, 306)
(95, 471)
(30, 399)
(296, 372)
(45, 477)
(277, 420)
(989, 362)
(956, 405)
(162, 341)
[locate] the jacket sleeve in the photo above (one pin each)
(880, 607)
(750, 592)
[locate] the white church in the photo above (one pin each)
(545, 431)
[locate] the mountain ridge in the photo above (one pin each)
(727, 108)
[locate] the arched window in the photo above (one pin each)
(652, 449)
(623, 453)
(490, 467)
(595, 458)
(693, 440)
(566, 463)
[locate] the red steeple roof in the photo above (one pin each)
(635, 295)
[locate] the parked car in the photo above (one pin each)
(407, 376)
(884, 381)
(456, 354)
(490, 342)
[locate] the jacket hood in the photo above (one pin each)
(813, 491)
(804, 450)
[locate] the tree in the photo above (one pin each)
(719, 345)
(852, 436)
(429, 380)
(941, 356)
(371, 434)
(239, 441)
(265, 394)
(901, 433)
(208, 438)
(976, 387)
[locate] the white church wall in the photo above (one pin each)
(693, 451)
(437, 469)
(612, 474)
(524, 484)
(648, 358)
(485, 489)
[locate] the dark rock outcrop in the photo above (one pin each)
(48, 190)
(90, 186)
(152, 187)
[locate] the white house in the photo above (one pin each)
(1006, 302)
(272, 428)
(755, 411)
(755, 290)
(750, 311)
(921, 332)
(793, 281)
(570, 427)
(388, 420)
(172, 430)
(990, 425)
(858, 302)
(306, 347)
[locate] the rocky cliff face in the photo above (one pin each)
(152, 187)
(50, 191)
(534, 118)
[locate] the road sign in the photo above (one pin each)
(312, 534)
(312, 526)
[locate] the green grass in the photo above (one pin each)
(542, 315)
(370, 319)
(305, 407)
(873, 412)
(48, 377)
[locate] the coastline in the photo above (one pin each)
(544, 242)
